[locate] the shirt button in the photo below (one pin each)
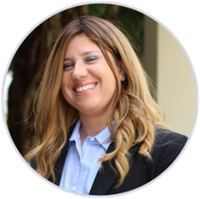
(73, 188)
(92, 139)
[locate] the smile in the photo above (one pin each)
(85, 88)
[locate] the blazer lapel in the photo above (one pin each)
(106, 177)
(58, 168)
(60, 164)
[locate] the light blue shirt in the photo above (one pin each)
(81, 164)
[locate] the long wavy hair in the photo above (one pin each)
(133, 109)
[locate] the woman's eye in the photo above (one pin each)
(90, 59)
(68, 65)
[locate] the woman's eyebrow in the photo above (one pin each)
(89, 52)
(83, 54)
(66, 58)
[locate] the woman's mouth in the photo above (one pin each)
(85, 88)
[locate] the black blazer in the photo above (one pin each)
(167, 147)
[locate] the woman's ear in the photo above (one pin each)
(121, 71)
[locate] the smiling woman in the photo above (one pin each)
(98, 129)
(88, 82)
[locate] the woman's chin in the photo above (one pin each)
(90, 111)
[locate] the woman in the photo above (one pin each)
(98, 130)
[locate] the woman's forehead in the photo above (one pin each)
(82, 44)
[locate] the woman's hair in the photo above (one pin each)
(133, 109)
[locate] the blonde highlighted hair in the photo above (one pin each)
(134, 110)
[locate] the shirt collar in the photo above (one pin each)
(100, 137)
(75, 134)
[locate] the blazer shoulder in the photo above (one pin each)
(168, 137)
(167, 147)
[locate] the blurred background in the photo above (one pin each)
(161, 56)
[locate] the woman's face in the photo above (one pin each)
(88, 83)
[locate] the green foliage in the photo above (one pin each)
(133, 24)
(98, 10)
(130, 22)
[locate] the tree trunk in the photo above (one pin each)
(112, 11)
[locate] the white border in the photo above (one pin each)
(81, 4)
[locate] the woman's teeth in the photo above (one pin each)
(85, 88)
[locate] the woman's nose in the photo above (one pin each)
(79, 71)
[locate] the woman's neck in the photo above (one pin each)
(91, 126)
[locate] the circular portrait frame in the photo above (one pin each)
(152, 22)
